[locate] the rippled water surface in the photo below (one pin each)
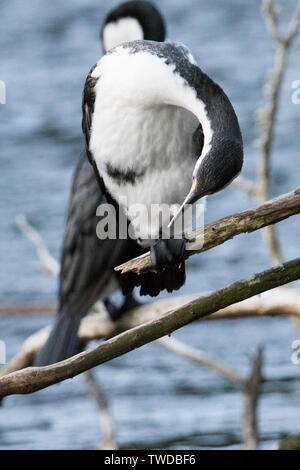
(158, 400)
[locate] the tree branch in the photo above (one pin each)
(270, 13)
(33, 379)
(294, 26)
(225, 229)
(251, 398)
(48, 264)
(106, 424)
(277, 302)
(267, 116)
(202, 359)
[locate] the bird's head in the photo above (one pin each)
(218, 168)
(130, 21)
(214, 171)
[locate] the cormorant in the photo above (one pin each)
(145, 105)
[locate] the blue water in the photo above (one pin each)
(157, 399)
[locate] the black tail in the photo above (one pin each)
(62, 342)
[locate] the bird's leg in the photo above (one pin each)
(115, 312)
(112, 309)
(167, 256)
(130, 303)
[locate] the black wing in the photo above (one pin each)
(88, 103)
(87, 263)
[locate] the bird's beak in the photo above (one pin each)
(190, 199)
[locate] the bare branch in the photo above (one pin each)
(278, 302)
(270, 13)
(202, 359)
(106, 424)
(266, 142)
(294, 25)
(225, 229)
(251, 398)
(269, 114)
(49, 264)
(33, 379)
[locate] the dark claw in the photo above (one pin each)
(168, 257)
(167, 252)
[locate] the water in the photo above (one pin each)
(157, 399)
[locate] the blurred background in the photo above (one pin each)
(157, 400)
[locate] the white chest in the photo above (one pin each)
(156, 143)
(139, 127)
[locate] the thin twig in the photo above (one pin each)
(48, 263)
(105, 419)
(251, 399)
(270, 13)
(201, 358)
(294, 26)
(268, 115)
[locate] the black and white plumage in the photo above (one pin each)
(87, 263)
(145, 107)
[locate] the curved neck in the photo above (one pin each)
(213, 109)
(148, 74)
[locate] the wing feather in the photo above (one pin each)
(88, 104)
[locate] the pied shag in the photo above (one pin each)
(87, 263)
(155, 126)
